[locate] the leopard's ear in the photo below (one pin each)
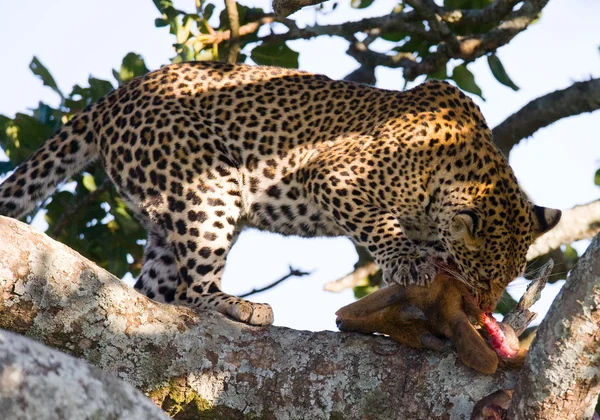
(544, 219)
(464, 227)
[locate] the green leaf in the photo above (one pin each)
(440, 74)
(22, 135)
(413, 45)
(245, 14)
(361, 4)
(570, 252)
(42, 72)
(499, 72)
(208, 11)
(393, 36)
(99, 88)
(160, 22)
(89, 183)
(362, 291)
(465, 80)
(78, 99)
(275, 55)
(597, 178)
(163, 5)
(133, 65)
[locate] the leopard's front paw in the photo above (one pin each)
(420, 271)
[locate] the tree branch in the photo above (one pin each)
(188, 362)
(287, 7)
(293, 273)
(40, 383)
(579, 98)
(410, 22)
(234, 25)
(580, 222)
(429, 11)
(492, 13)
(391, 22)
(467, 48)
(561, 375)
(217, 37)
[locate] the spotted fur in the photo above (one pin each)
(201, 149)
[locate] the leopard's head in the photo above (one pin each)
(488, 239)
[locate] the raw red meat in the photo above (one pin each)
(502, 337)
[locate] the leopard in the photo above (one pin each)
(201, 150)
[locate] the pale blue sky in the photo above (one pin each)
(75, 38)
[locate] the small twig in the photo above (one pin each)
(293, 273)
(234, 25)
(71, 211)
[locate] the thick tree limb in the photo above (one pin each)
(188, 362)
(391, 22)
(579, 98)
(561, 375)
(40, 383)
(580, 222)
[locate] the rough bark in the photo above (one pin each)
(579, 98)
(561, 375)
(189, 363)
(40, 383)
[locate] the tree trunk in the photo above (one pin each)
(189, 363)
(561, 377)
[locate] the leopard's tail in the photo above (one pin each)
(65, 153)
